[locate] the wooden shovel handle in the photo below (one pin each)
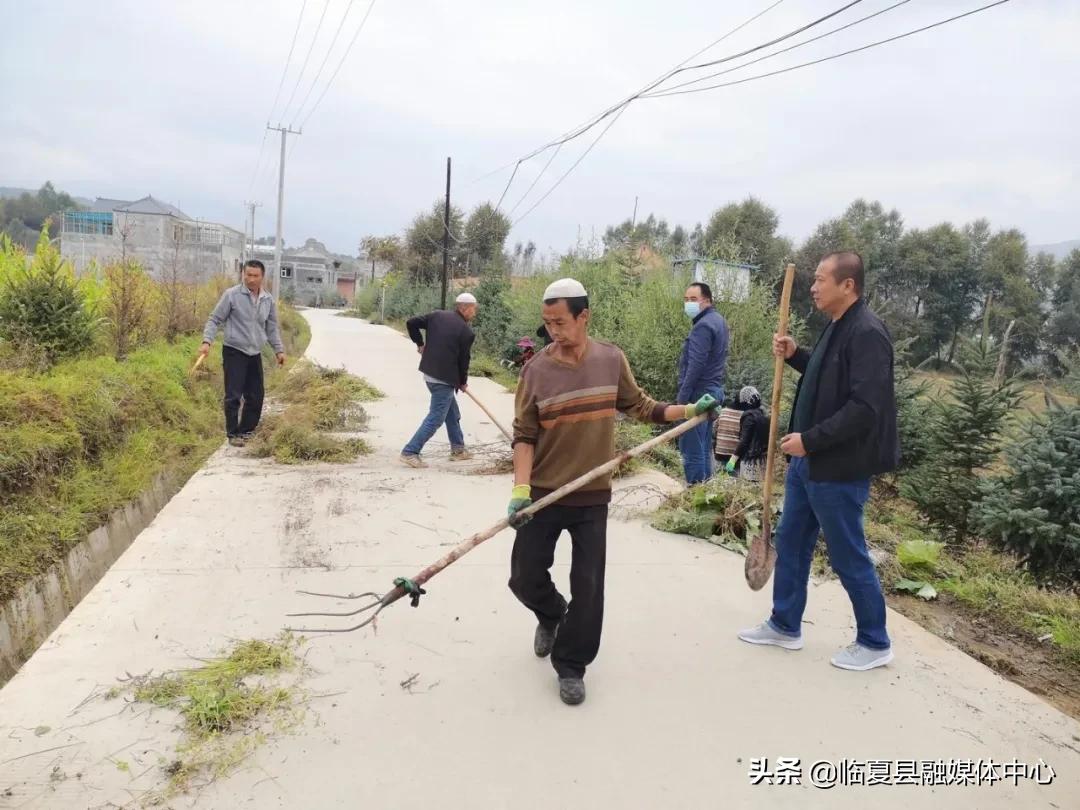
(777, 391)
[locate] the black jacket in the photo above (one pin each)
(447, 348)
(753, 435)
(854, 427)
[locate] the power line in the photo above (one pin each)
(665, 75)
(326, 58)
(867, 47)
(619, 107)
(566, 174)
(767, 75)
(345, 56)
(288, 60)
(277, 95)
(258, 163)
(652, 85)
(532, 185)
(307, 58)
(852, 24)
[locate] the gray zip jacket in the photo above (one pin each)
(249, 323)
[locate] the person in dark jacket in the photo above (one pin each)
(701, 371)
(843, 432)
(444, 362)
(753, 446)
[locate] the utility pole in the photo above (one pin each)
(633, 220)
(280, 198)
(446, 235)
(249, 247)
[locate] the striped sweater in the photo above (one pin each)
(568, 413)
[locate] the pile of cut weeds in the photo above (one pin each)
(228, 706)
(317, 400)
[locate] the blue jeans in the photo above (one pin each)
(697, 449)
(836, 509)
(444, 409)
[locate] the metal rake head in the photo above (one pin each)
(402, 587)
(378, 603)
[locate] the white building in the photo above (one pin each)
(161, 237)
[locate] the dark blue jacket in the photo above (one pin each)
(704, 357)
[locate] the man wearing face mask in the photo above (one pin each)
(701, 371)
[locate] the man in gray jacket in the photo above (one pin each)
(249, 316)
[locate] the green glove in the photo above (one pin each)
(520, 497)
(730, 466)
(706, 403)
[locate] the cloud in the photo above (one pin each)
(122, 98)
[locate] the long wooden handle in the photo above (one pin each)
(777, 389)
(490, 415)
(468, 545)
(198, 362)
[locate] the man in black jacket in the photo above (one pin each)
(444, 362)
(843, 431)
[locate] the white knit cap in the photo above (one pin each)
(466, 298)
(565, 288)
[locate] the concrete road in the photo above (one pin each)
(677, 707)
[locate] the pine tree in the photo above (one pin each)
(1033, 510)
(964, 439)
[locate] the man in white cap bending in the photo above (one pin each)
(564, 426)
(444, 361)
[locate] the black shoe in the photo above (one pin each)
(572, 691)
(247, 437)
(544, 640)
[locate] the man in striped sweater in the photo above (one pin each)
(564, 426)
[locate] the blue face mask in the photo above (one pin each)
(691, 308)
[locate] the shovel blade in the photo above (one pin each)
(760, 558)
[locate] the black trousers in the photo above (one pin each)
(578, 638)
(243, 384)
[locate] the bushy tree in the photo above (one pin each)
(25, 216)
(746, 232)
(964, 437)
(934, 290)
(42, 304)
(1064, 332)
(485, 234)
(424, 240)
(1033, 510)
(494, 318)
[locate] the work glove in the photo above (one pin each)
(730, 466)
(706, 403)
(520, 497)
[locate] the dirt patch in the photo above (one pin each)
(1014, 656)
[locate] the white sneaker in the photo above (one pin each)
(859, 658)
(764, 634)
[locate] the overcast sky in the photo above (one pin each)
(123, 98)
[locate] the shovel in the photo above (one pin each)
(761, 556)
(413, 587)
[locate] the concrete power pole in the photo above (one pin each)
(280, 198)
(446, 235)
(249, 246)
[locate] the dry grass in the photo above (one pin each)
(293, 438)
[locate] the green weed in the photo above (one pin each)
(225, 704)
